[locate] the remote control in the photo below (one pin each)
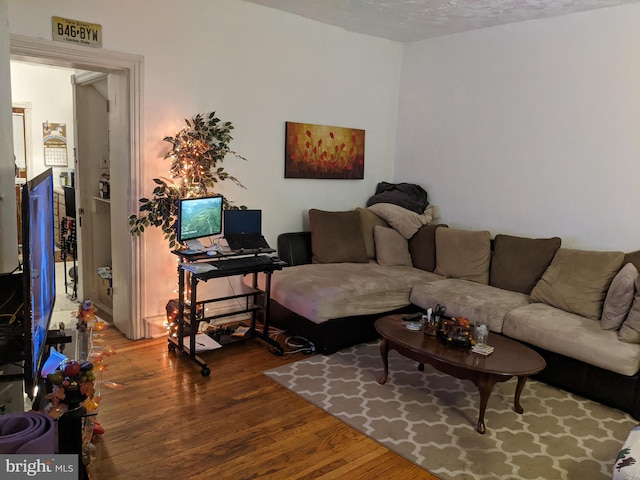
(412, 316)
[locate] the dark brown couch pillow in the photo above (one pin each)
(518, 263)
(422, 247)
(633, 257)
(336, 237)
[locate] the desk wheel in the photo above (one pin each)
(171, 346)
(205, 371)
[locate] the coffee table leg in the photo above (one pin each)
(384, 353)
(485, 386)
(516, 401)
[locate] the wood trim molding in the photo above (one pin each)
(47, 52)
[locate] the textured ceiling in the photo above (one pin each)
(410, 20)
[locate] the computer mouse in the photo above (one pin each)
(212, 253)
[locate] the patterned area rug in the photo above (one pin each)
(430, 418)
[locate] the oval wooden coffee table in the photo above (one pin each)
(509, 359)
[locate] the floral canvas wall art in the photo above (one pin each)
(321, 151)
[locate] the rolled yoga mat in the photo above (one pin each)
(27, 433)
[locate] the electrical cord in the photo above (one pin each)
(298, 344)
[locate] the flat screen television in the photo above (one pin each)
(39, 271)
(198, 218)
(242, 221)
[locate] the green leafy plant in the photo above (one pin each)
(195, 154)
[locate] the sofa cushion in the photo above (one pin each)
(630, 329)
(404, 221)
(577, 281)
(369, 221)
(475, 301)
(573, 336)
(463, 254)
(619, 298)
(336, 237)
(518, 263)
(391, 247)
(422, 247)
(320, 292)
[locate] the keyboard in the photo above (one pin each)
(191, 251)
(242, 262)
(246, 241)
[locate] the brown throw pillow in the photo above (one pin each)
(422, 247)
(633, 257)
(630, 329)
(336, 237)
(391, 247)
(518, 263)
(369, 221)
(463, 254)
(577, 281)
(619, 298)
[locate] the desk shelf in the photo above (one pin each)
(191, 312)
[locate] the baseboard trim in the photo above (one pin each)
(154, 327)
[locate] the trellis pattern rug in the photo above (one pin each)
(430, 418)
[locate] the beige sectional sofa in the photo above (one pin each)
(580, 309)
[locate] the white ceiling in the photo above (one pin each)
(411, 20)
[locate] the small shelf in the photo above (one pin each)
(101, 206)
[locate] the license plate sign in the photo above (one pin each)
(76, 31)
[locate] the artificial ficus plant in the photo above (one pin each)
(195, 154)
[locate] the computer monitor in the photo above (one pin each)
(242, 221)
(197, 218)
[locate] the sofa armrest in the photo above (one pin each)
(295, 248)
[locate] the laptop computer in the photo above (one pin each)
(243, 230)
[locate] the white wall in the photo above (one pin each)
(48, 93)
(8, 218)
(530, 129)
(258, 68)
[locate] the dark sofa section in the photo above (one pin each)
(295, 248)
(330, 336)
(604, 386)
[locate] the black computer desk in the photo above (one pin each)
(192, 311)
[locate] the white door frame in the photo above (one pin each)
(46, 52)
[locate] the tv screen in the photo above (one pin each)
(39, 269)
(199, 217)
(242, 221)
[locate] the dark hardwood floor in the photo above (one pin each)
(169, 422)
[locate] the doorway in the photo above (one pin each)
(124, 77)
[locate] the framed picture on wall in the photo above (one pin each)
(323, 152)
